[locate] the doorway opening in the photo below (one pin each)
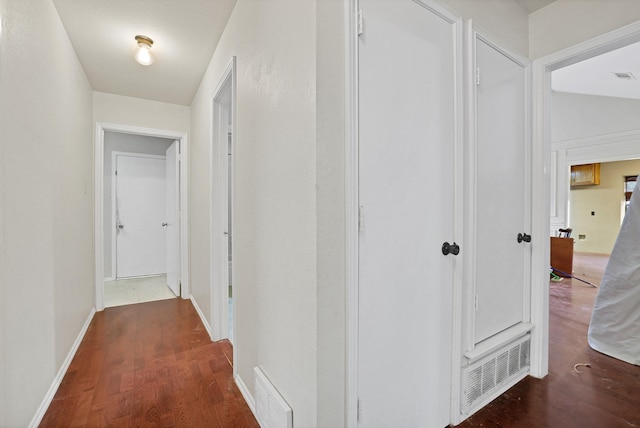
(223, 297)
(550, 171)
(132, 254)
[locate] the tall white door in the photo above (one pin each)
(140, 214)
(172, 216)
(406, 194)
(502, 262)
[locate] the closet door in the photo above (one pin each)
(407, 91)
(500, 170)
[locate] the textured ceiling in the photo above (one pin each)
(185, 34)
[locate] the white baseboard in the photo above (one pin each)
(202, 317)
(109, 279)
(248, 397)
(37, 418)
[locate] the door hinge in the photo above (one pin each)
(116, 172)
(478, 76)
(361, 218)
(358, 409)
(360, 22)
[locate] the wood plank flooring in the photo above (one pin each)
(604, 395)
(150, 364)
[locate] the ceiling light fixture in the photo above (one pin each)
(143, 52)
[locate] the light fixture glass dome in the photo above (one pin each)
(143, 53)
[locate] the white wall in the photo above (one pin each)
(121, 110)
(131, 143)
(47, 201)
(505, 20)
(579, 116)
(586, 129)
(275, 194)
(565, 23)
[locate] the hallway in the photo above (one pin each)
(150, 364)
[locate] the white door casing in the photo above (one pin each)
(140, 214)
(172, 217)
(407, 183)
(223, 105)
(499, 176)
(98, 168)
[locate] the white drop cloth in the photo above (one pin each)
(615, 322)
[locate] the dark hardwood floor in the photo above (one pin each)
(150, 364)
(604, 395)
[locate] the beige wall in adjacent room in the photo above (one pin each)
(606, 200)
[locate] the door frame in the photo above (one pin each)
(114, 193)
(221, 207)
(352, 19)
(98, 192)
(541, 175)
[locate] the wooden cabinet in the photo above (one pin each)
(585, 175)
(562, 256)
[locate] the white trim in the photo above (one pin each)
(98, 165)
(219, 206)
(48, 398)
(114, 199)
(459, 221)
(207, 327)
(248, 397)
(541, 176)
(351, 207)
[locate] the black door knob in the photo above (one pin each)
(450, 249)
(524, 237)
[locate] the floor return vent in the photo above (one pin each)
(490, 376)
(271, 409)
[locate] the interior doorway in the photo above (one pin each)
(223, 298)
(548, 178)
(107, 221)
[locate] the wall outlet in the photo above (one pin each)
(582, 237)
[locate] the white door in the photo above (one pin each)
(172, 222)
(140, 213)
(406, 194)
(502, 263)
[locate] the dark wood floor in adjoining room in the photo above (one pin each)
(604, 395)
(150, 364)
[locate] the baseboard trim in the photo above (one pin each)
(37, 418)
(201, 315)
(248, 397)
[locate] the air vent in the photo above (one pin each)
(489, 377)
(625, 76)
(271, 409)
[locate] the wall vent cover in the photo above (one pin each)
(272, 411)
(486, 378)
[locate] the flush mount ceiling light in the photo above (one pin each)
(143, 52)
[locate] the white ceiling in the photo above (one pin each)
(595, 76)
(185, 34)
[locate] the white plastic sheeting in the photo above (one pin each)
(615, 321)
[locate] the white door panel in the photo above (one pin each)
(406, 177)
(140, 213)
(172, 216)
(501, 261)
